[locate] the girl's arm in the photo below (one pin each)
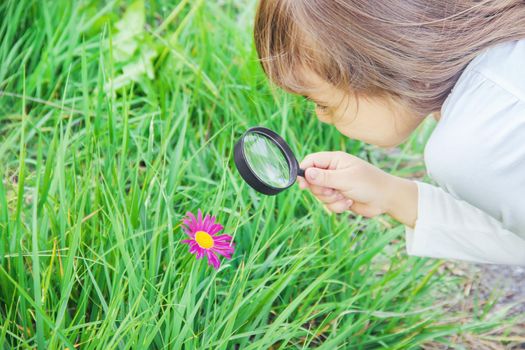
(450, 228)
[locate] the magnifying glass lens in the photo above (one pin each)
(266, 160)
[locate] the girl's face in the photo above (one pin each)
(380, 121)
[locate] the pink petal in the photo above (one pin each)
(224, 247)
(188, 232)
(213, 260)
(224, 243)
(211, 223)
(194, 248)
(199, 218)
(191, 217)
(207, 223)
(222, 238)
(189, 225)
(225, 253)
(191, 221)
(188, 241)
(215, 228)
(200, 252)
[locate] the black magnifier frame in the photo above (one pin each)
(250, 176)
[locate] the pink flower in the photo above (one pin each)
(203, 240)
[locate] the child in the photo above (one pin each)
(375, 69)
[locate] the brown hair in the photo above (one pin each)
(415, 50)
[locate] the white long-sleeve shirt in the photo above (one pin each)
(476, 154)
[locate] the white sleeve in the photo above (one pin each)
(450, 228)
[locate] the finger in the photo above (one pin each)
(303, 184)
(336, 179)
(339, 206)
(365, 210)
(323, 160)
(329, 199)
(321, 191)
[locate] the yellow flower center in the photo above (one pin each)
(204, 240)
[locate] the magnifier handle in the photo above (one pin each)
(300, 172)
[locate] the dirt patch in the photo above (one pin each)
(506, 281)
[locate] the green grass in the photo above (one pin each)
(103, 148)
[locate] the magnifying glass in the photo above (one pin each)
(265, 161)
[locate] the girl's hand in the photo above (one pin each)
(342, 181)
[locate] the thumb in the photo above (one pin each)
(325, 178)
